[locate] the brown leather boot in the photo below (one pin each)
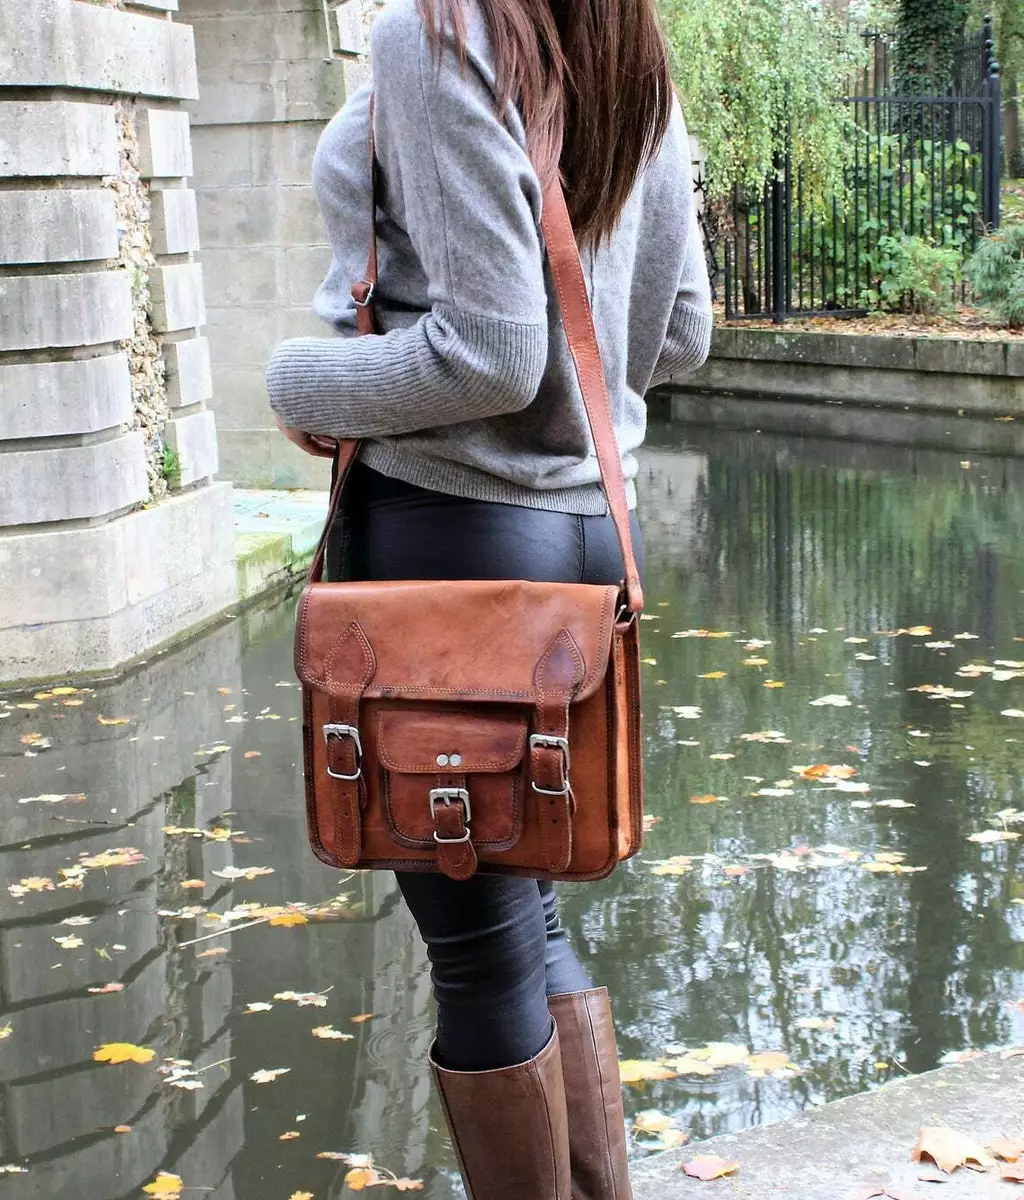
(508, 1127)
(593, 1092)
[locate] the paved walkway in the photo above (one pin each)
(275, 535)
(845, 1150)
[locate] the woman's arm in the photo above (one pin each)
(471, 203)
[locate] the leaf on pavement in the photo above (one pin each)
(1013, 1172)
(122, 1052)
(709, 1166)
(1008, 1148)
(949, 1149)
(164, 1187)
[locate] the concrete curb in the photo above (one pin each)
(839, 1151)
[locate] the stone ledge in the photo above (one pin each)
(175, 221)
(91, 600)
(57, 226)
(42, 311)
(57, 137)
(165, 144)
(54, 398)
(837, 1151)
(72, 482)
(932, 354)
(63, 43)
(276, 533)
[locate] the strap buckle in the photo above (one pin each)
(344, 731)
(448, 796)
(551, 742)
(370, 289)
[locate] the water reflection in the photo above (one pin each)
(857, 976)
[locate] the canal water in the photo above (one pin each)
(831, 894)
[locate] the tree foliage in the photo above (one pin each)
(929, 31)
(746, 70)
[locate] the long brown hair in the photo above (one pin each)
(591, 80)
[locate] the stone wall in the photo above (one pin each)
(269, 81)
(113, 537)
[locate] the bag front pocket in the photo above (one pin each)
(467, 759)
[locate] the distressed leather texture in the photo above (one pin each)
(478, 725)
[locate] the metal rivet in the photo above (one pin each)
(442, 760)
(456, 760)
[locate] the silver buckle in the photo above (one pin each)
(370, 289)
(448, 796)
(554, 743)
(344, 731)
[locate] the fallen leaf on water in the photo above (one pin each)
(164, 1187)
(652, 1121)
(301, 1196)
(773, 683)
(120, 856)
(855, 641)
(288, 919)
(34, 883)
(825, 771)
(723, 757)
(194, 883)
(832, 701)
(107, 989)
(638, 1070)
(364, 1017)
(736, 870)
(304, 999)
(755, 662)
(816, 1023)
(650, 820)
(113, 720)
(688, 712)
(213, 952)
(707, 799)
(918, 631)
(122, 1052)
(329, 1033)
(713, 675)
(949, 1149)
(122, 1129)
(767, 1061)
(709, 1166)
(1012, 712)
(74, 797)
(269, 1076)
(362, 1177)
(690, 1065)
(679, 864)
(290, 1136)
(252, 754)
(249, 873)
(1008, 1148)
(69, 943)
(6, 1031)
(988, 836)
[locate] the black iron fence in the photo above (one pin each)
(918, 167)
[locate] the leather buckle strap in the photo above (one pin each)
(448, 797)
(349, 667)
(335, 730)
(552, 742)
(556, 678)
(450, 808)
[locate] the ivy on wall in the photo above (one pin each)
(929, 31)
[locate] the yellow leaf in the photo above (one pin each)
(649, 662)
(164, 1187)
(113, 720)
(407, 1185)
(121, 1052)
(6, 1031)
(816, 1023)
(652, 1121)
(714, 675)
(268, 1076)
(949, 1149)
(329, 1033)
(773, 683)
(755, 662)
(289, 919)
(691, 1065)
(707, 799)
(290, 1136)
(768, 1061)
(193, 883)
(363, 1017)
(635, 1070)
(709, 1166)
(727, 1054)
(362, 1177)
(919, 631)
(122, 1129)
(301, 1196)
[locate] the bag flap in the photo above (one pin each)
(457, 641)
(411, 741)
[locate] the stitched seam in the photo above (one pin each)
(608, 1166)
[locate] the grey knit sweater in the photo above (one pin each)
(471, 390)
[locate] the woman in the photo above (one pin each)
(478, 461)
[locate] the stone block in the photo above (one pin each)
(351, 28)
(257, 38)
(194, 440)
(72, 482)
(256, 92)
(57, 137)
(242, 278)
(175, 221)
(241, 400)
(223, 154)
(177, 297)
(263, 458)
(188, 372)
(42, 311)
(57, 226)
(165, 145)
(90, 599)
(959, 357)
(48, 399)
(305, 268)
(238, 342)
(63, 43)
(282, 153)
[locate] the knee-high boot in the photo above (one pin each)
(593, 1092)
(508, 1127)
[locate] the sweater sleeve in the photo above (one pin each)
(688, 337)
(469, 201)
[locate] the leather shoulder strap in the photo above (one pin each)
(578, 323)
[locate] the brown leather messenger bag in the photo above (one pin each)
(479, 725)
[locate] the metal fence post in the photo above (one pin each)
(780, 200)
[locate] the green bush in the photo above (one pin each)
(914, 275)
(996, 272)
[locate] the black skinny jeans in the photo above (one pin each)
(496, 947)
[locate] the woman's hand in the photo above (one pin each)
(312, 443)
